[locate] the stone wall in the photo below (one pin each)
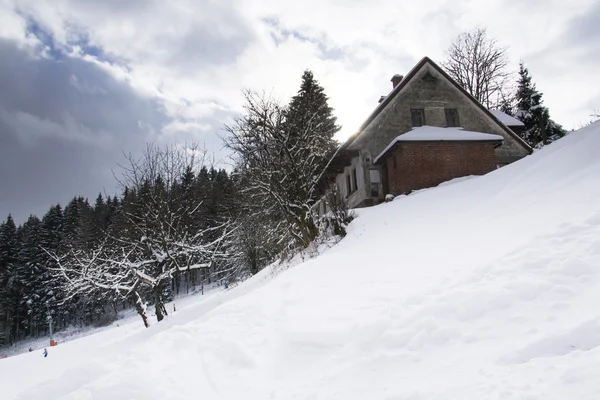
(433, 96)
(357, 194)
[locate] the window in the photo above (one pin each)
(348, 186)
(375, 180)
(354, 182)
(418, 117)
(452, 117)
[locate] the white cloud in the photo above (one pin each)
(198, 55)
(187, 127)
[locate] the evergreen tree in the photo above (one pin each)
(540, 129)
(33, 277)
(310, 120)
(99, 218)
(9, 283)
(171, 225)
(283, 154)
(51, 241)
(74, 221)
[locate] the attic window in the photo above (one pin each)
(428, 81)
(452, 117)
(418, 117)
(428, 77)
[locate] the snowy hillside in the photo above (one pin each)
(488, 288)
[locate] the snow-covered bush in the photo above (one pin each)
(338, 216)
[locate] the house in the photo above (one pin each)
(427, 130)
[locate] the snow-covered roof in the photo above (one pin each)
(506, 119)
(436, 134)
(404, 82)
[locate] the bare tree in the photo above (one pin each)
(119, 271)
(160, 232)
(283, 163)
(479, 65)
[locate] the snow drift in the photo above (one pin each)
(483, 289)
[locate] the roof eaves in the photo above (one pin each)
(394, 143)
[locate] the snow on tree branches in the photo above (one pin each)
(540, 129)
(160, 233)
(283, 152)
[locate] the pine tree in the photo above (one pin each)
(283, 154)
(9, 284)
(99, 218)
(171, 222)
(310, 119)
(73, 228)
(52, 241)
(540, 129)
(32, 275)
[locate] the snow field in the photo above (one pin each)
(486, 288)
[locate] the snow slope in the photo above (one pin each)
(483, 289)
(125, 317)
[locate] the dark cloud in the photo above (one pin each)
(63, 126)
(65, 121)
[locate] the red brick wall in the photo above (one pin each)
(421, 165)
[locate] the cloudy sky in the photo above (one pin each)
(81, 81)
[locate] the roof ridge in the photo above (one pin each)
(403, 83)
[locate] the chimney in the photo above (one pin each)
(396, 79)
(382, 98)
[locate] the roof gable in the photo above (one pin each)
(414, 72)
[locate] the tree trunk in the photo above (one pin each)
(187, 281)
(158, 305)
(141, 309)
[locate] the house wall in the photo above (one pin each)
(358, 194)
(421, 165)
(433, 97)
